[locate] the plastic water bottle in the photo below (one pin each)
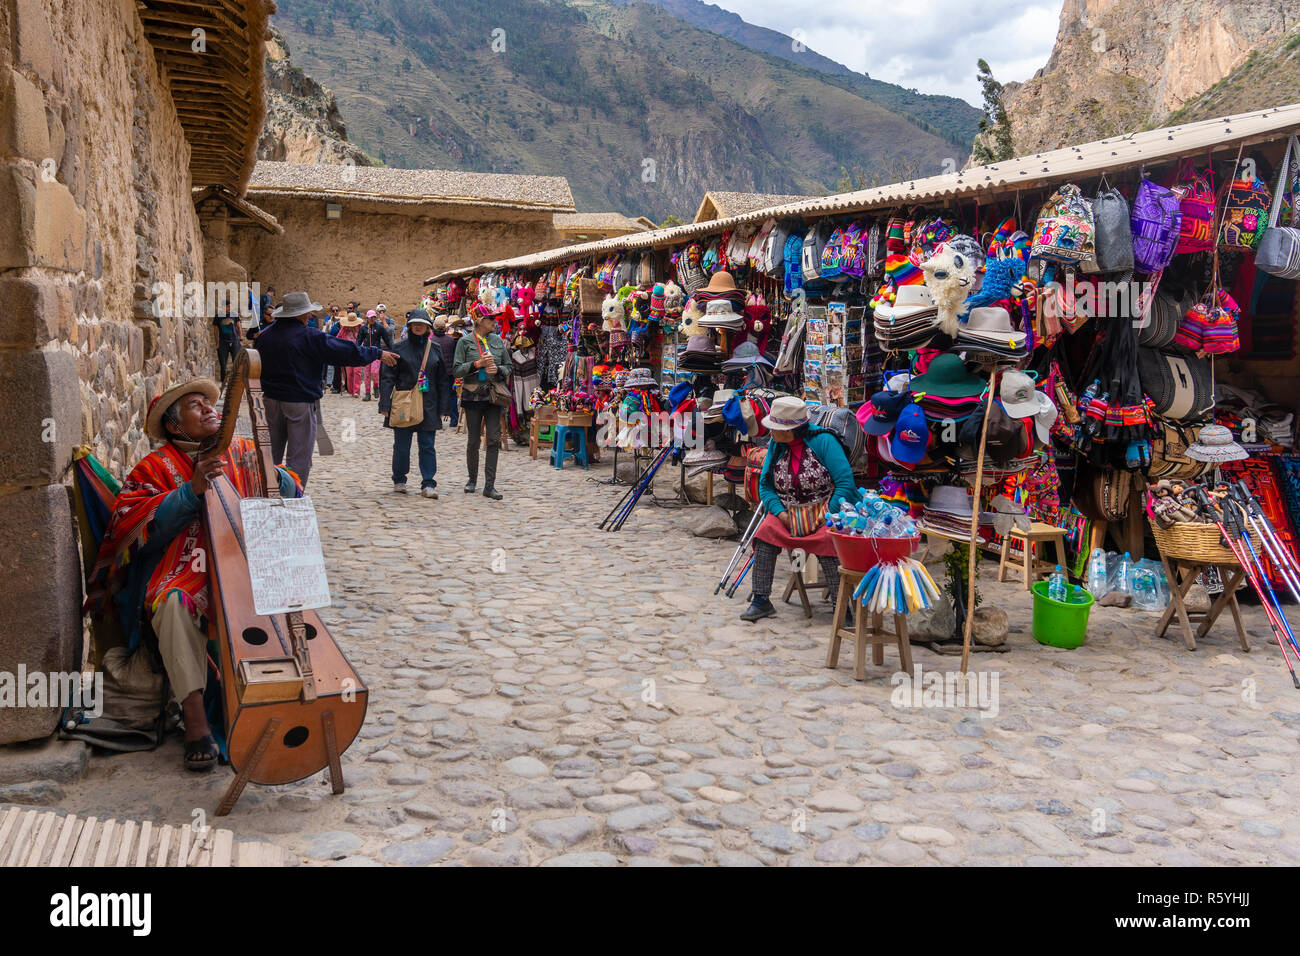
(1096, 578)
(1058, 588)
(1124, 575)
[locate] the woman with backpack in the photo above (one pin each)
(805, 471)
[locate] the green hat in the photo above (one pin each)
(947, 377)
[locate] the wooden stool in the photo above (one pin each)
(863, 634)
(1029, 564)
(540, 434)
(1182, 575)
(799, 583)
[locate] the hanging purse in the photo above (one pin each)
(1279, 249)
(406, 406)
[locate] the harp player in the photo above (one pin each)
(152, 567)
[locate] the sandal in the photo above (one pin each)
(201, 755)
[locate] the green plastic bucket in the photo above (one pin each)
(1057, 624)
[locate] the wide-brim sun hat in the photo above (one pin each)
(351, 320)
(640, 378)
(947, 377)
(158, 407)
(745, 355)
(1045, 416)
(719, 314)
(787, 414)
(1215, 444)
(295, 304)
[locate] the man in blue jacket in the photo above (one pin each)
(294, 357)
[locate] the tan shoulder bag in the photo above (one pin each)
(406, 410)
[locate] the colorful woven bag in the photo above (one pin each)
(1066, 230)
(1245, 216)
(1157, 221)
(1196, 231)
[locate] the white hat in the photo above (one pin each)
(993, 324)
(719, 314)
(787, 414)
(909, 301)
(1044, 416)
(1018, 395)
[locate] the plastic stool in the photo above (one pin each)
(560, 450)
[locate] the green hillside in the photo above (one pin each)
(641, 111)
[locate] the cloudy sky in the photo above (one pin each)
(928, 45)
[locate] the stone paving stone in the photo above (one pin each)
(560, 696)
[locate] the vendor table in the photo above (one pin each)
(1182, 574)
(863, 632)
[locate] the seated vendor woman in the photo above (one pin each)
(152, 566)
(805, 470)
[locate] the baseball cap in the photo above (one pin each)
(911, 436)
(1019, 395)
(887, 406)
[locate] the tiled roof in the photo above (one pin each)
(424, 186)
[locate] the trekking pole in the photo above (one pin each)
(1278, 552)
(731, 591)
(1233, 544)
(642, 484)
(1274, 603)
(618, 508)
(745, 540)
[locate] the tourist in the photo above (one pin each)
(334, 373)
(374, 334)
(482, 360)
(293, 358)
(349, 326)
(267, 303)
(447, 344)
(147, 568)
(384, 317)
(420, 366)
(805, 470)
(226, 328)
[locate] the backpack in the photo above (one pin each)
(774, 249)
(1196, 231)
(1114, 232)
(1066, 230)
(853, 257)
(813, 245)
(832, 254)
(1169, 453)
(792, 263)
(758, 246)
(844, 425)
(1156, 219)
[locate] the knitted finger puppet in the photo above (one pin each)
(948, 276)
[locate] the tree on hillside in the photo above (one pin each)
(994, 143)
(670, 221)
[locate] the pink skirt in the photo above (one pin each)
(774, 532)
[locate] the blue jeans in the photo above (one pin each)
(449, 402)
(402, 456)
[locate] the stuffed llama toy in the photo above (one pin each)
(949, 276)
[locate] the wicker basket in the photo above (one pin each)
(1192, 541)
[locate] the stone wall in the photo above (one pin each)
(94, 208)
(379, 254)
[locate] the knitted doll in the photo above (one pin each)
(948, 276)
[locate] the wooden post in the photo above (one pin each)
(975, 523)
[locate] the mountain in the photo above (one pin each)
(1123, 65)
(642, 111)
(951, 118)
(1270, 76)
(302, 123)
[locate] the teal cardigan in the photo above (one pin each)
(828, 450)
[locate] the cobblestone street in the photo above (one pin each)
(578, 697)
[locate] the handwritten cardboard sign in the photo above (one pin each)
(285, 561)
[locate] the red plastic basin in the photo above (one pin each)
(863, 554)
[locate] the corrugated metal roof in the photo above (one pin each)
(996, 179)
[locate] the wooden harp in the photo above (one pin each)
(292, 702)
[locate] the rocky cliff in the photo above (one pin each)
(1121, 65)
(303, 123)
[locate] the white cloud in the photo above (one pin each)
(928, 45)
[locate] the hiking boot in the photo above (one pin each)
(399, 487)
(470, 487)
(492, 493)
(365, 397)
(758, 609)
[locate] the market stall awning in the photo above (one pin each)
(980, 183)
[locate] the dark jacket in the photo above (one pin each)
(448, 345)
(404, 375)
(376, 336)
(294, 356)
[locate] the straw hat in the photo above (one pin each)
(153, 426)
(350, 321)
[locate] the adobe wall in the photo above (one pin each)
(94, 208)
(374, 257)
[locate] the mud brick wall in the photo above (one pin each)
(95, 207)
